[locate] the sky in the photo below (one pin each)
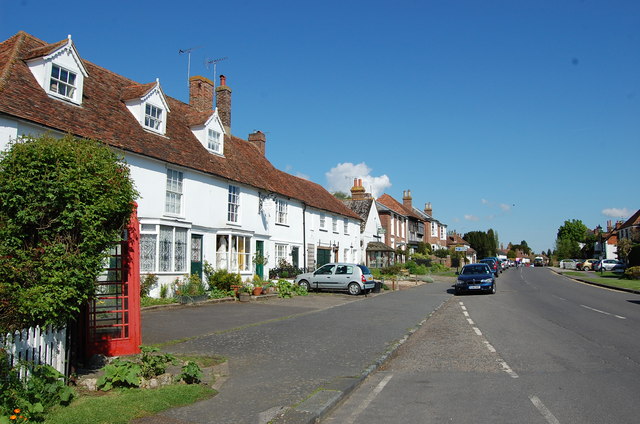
(514, 115)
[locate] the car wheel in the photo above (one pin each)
(456, 291)
(305, 284)
(354, 289)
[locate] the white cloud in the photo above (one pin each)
(340, 178)
(484, 201)
(471, 218)
(617, 212)
(303, 176)
(505, 207)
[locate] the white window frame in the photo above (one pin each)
(334, 224)
(281, 211)
(213, 140)
(233, 204)
(323, 222)
(434, 229)
(170, 259)
(69, 86)
(153, 117)
(282, 253)
(174, 192)
(234, 253)
(346, 226)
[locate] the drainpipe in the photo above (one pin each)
(304, 234)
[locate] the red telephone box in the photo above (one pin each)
(114, 314)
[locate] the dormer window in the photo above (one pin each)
(59, 70)
(213, 140)
(63, 81)
(152, 117)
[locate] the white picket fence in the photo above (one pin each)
(40, 346)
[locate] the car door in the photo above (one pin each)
(323, 277)
(343, 276)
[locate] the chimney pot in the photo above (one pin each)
(259, 139)
(201, 93)
(223, 102)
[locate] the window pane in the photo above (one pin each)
(180, 249)
(166, 248)
(148, 252)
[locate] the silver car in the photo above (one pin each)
(338, 276)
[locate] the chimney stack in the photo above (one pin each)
(201, 93)
(223, 102)
(357, 191)
(428, 210)
(406, 199)
(259, 139)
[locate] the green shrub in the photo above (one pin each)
(64, 202)
(191, 373)
(147, 284)
(392, 270)
(223, 280)
(633, 273)
(191, 285)
(152, 363)
(435, 267)
(284, 270)
(119, 373)
(34, 396)
(287, 289)
(164, 291)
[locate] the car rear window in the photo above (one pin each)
(364, 269)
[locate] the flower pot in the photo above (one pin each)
(244, 297)
(257, 291)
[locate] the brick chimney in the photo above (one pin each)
(357, 191)
(223, 102)
(259, 139)
(427, 209)
(201, 93)
(407, 200)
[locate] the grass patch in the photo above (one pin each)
(122, 406)
(151, 301)
(608, 278)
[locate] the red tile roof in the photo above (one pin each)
(634, 220)
(394, 205)
(104, 116)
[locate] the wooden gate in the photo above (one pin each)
(114, 314)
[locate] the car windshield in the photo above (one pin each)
(475, 269)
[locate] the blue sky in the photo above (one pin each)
(511, 115)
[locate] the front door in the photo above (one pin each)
(294, 256)
(260, 254)
(324, 256)
(196, 254)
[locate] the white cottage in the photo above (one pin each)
(205, 195)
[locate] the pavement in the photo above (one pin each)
(561, 271)
(289, 360)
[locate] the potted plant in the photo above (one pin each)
(245, 291)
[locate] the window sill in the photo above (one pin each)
(282, 225)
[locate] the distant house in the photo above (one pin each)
(373, 250)
(606, 245)
(205, 194)
(394, 219)
(456, 242)
(630, 227)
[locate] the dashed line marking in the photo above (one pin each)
(466, 314)
(470, 321)
(551, 419)
(602, 312)
(477, 330)
(506, 368)
(490, 347)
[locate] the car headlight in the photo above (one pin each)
(460, 282)
(487, 280)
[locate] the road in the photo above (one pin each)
(544, 349)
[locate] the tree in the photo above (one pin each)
(63, 203)
(481, 243)
(573, 230)
(341, 195)
(567, 248)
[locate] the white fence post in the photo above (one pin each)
(48, 346)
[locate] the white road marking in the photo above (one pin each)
(602, 312)
(477, 330)
(464, 308)
(506, 368)
(370, 397)
(470, 321)
(551, 419)
(491, 348)
(466, 314)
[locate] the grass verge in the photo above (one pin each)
(122, 406)
(608, 278)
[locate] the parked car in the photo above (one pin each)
(475, 278)
(493, 265)
(568, 263)
(619, 268)
(338, 276)
(607, 264)
(587, 265)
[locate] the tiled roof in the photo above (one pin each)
(362, 207)
(633, 221)
(393, 204)
(104, 116)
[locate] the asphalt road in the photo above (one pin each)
(288, 358)
(544, 349)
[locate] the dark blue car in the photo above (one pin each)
(476, 278)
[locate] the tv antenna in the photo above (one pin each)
(214, 62)
(188, 52)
